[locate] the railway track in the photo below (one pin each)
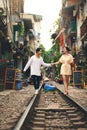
(53, 110)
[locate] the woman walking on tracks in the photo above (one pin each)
(66, 60)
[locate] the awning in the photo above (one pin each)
(37, 18)
(67, 12)
(71, 8)
(72, 2)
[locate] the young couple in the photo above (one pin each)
(36, 61)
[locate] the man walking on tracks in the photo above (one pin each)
(35, 63)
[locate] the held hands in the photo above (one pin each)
(52, 64)
(56, 63)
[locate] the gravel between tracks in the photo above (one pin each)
(12, 105)
(14, 102)
(77, 94)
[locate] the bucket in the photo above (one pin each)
(49, 87)
(19, 85)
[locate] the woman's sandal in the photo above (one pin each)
(66, 93)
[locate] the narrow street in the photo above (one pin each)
(42, 40)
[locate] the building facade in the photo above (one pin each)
(17, 28)
(74, 20)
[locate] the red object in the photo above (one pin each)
(78, 16)
(73, 1)
(61, 40)
(3, 60)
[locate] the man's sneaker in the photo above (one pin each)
(36, 91)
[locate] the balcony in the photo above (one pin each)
(67, 12)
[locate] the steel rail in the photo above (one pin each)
(76, 103)
(23, 117)
(29, 107)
